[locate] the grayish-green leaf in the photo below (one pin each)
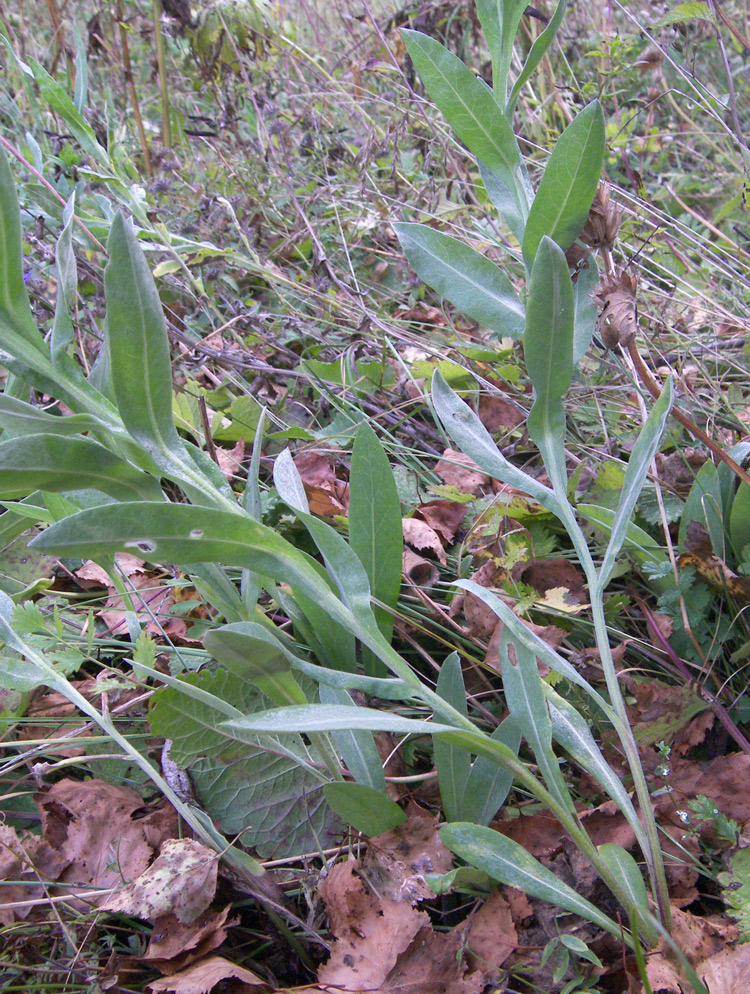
(329, 718)
(289, 483)
(464, 276)
(488, 783)
(357, 748)
(15, 310)
(53, 463)
(585, 309)
(537, 53)
(67, 285)
(509, 863)
(472, 438)
(703, 505)
(567, 189)
(622, 865)
(470, 109)
(639, 464)
(500, 20)
(452, 764)
(26, 419)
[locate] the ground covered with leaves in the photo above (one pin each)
(152, 841)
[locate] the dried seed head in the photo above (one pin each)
(618, 318)
(603, 222)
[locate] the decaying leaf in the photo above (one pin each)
(459, 470)
(180, 881)
(421, 536)
(204, 976)
(175, 945)
(603, 222)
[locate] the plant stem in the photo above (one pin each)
(166, 129)
(130, 84)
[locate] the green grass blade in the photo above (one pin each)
(567, 189)
(509, 863)
(465, 277)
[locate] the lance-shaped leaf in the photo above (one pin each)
(537, 53)
(470, 108)
(639, 463)
(60, 102)
(471, 437)
(358, 750)
(452, 764)
(53, 463)
(567, 189)
(548, 348)
(370, 811)
(67, 283)
(464, 276)
(329, 718)
(15, 310)
(509, 863)
(524, 695)
(375, 531)
(26, 419)
(500, 20)
(488, 783)
(180, 533)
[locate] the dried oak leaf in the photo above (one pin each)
(618, 317)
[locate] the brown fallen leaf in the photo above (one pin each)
(418, 570)
(204, 976)
(492, 936)
(230, 460)
(93, 827)
(180, 881)
(545, 575)
(458, 470)
(24, 859)
(498, 414)
(443, 516)
(396, 861)
(174, 945)
(370, 932)
(432, 964)
(700, 939)
(727, 971)
(420, 536)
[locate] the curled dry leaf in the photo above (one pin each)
(603, 222)
(618, 317)
(175, 945)
(443, 516)
(204, 976)
(419, 571)
(421, 536)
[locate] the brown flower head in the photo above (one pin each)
(618, 318)
(603, 222)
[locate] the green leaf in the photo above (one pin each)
(255, 655)
(548, 348)
(67, 285)
(638, 543)
(179, 533)
(357, 749)
(585, 309)
(375, 531)
(329, 718)
(537, 53)
(488, 783)
(527, 704)
(289, 483)
(703, 505)
(370, 811)
(509, 863)
(572, 731)
(53, 463)
(470, 108)
(25, 419)
(61, 104)
(739, 518)
(639, 464)
(452, 764)
(471, 437)
(622, 866)
(15, 310)
(500, 20)
(465, 277)
(138, 346)
(273, 800)
(567, 189)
